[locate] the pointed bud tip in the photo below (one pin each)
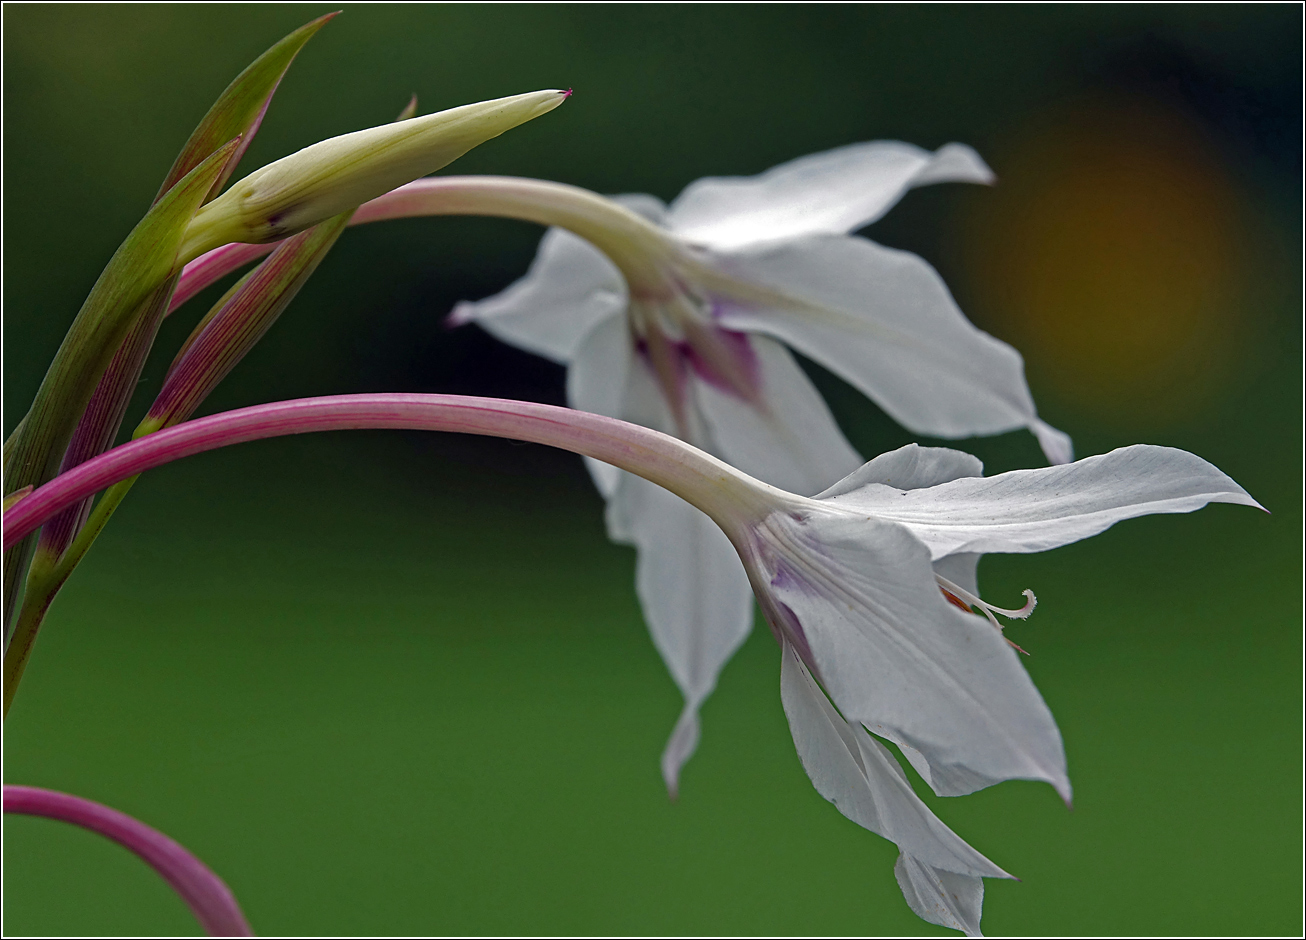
(410, 109)
(568, 93)
(462, 314)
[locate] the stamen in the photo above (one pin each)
(955, 594)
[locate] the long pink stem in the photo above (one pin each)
(205, 893)
(713, 486)
(212, 265)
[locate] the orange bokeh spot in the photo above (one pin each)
(1111, 254)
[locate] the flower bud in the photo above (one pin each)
(334, 175)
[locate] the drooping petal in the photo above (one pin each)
(858, 597)
(944, 779)
(836, 191)
(694, 593)
(940, 896)
(884, 321)
(570, 287)
(788, 438)
(908, 468)
(859, 776)
(1056, 445)
(1035, 510)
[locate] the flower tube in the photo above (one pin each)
(857, 586)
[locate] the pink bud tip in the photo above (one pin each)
(567, 93)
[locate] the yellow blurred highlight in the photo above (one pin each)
(1112, 256)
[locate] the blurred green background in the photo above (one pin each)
(390, 684)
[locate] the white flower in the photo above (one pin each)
(854, 583)
(681, 325)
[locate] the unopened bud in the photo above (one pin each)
(335, 175)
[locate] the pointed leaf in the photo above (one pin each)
(143, 262)
(239, 110)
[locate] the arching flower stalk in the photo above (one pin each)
(207, 895)
(855, 585)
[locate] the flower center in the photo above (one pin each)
(959, 596)
(677, 338)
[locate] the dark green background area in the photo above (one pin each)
(399, 684)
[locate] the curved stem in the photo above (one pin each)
(634, 244)
(730, 497)
(207, 895)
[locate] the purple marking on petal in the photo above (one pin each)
(675, 385)
(737, 346)
(784, 623)
(717, 306)
(780, 617)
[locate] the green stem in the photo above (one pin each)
(45, 579)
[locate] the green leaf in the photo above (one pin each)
(16, 495)
(239, 110)
(144, 261)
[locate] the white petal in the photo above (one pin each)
(941, 897)
(792, 440)
(694, 593)
(910, 467)
(1035, 510)
(835, 191)
(884, 321)
(859, 776)
(650, 207)
(960, 569)
(943, 779)
(859, 598)
(597, 382)
(570, 287)
(680, 747)
(1056, 444)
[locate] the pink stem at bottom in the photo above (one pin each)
(205, 893)
(721, 491)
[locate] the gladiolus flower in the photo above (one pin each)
(678, 318)
(860, 585)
